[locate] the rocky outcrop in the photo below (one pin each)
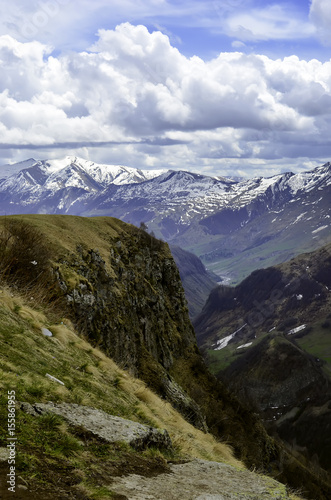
(132, 305)
(192, 480)
(200, 480)
(131, 302)
(110, 428)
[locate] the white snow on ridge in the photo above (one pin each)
(62, 168)
(11, 169)
(298, 218)
(224, 342)
(319, 229)
(296, 330)
(102, 173)
(245, 345)
(221, 343)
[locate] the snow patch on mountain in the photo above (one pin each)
(319, 229)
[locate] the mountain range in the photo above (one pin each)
(234, 226)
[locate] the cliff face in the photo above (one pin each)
(133, 306)
(130, 302)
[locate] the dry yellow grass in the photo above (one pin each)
(36, 319)
(7, 299)
(191, 441)
(65, 334)
(88, 365)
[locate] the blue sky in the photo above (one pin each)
(234, 87)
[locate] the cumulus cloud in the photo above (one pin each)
(142, 102)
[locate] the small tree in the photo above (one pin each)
(143, 226)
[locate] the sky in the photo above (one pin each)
(232, 88)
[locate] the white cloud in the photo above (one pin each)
(138, 96)
(68, 24)
(320, 15)
(272, 22)
(237, 44)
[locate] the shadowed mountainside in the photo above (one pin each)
(196, 280)
(269, 339)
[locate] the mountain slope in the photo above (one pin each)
(57, 461)
(196, 280)
(269, 338)
(234, 226)
(121, 290)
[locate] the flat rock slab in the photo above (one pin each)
(111, 429)
(4, 455)
(200, 480)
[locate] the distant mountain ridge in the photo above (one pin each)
(269, 338)
(42, 179)
(235, 226)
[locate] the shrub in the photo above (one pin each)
(24, 257)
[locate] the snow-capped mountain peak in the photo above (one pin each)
(101, 173)
(72, 172)
(74, 185)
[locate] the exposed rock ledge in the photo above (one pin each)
(194, 480)
(199, 480)
(111, 429)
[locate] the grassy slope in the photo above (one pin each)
(48, 449)
(62, 231)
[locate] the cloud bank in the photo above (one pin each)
(145, 104)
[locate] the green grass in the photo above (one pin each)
(318, 343)
(219, 360)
